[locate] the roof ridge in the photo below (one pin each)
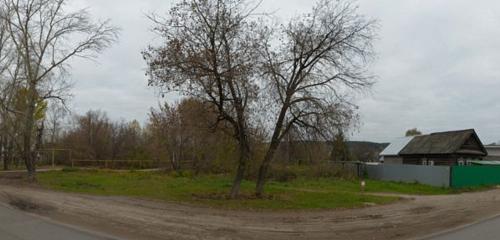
(454, 131)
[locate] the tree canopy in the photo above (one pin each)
(413, 132)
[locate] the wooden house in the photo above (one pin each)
(444, 148)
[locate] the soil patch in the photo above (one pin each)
(26, 204)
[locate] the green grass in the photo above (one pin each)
(372, 186)
(210, 190)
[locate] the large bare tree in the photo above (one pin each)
(9, 89)
(209, 53)
(311, 65)
(45, 36)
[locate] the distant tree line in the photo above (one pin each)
(180, 136)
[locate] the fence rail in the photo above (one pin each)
(117, 163)
(124, 164)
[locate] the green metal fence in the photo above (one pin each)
(471, 176)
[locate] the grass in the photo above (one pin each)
(210, 190)
(372, 186)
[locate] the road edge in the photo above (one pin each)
(455, 229)
(69, 226)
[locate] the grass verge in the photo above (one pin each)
(211, 190)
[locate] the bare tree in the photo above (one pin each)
(55, 116)
(126, 140)
(9, 89)
(311, 68)
(6, 55)
(340, 149)
(158, 134)
(90, 136)
(45, 36)
(171, 131)
(93, 136)
(210, 54)
(181, 133)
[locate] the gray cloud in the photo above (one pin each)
(436, 65)
(436, 69)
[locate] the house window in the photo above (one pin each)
(430, 163)
(461, 162)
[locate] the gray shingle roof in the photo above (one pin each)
(440, 143)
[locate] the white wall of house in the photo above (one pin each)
(493, 153)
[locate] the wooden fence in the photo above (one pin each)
(126, 164)
(112, 164)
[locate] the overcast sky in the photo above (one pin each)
(438, 65)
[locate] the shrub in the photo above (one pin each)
(283, 174)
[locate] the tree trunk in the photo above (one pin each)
(6, 158)
(8, 154)
(3, 147)
(174, 162)
(242, 164)
(275, 142)
(29, 122)
(29, 161)
(264, 167)
(244, 147)
(38, 143)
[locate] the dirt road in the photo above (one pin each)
(131, 218)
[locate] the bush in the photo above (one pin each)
(332, 171)
(282, 174)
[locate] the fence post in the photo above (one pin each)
(71, 159)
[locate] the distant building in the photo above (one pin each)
(442, 148)
(493, 152)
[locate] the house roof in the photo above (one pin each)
(442, 143)
(396, 146)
